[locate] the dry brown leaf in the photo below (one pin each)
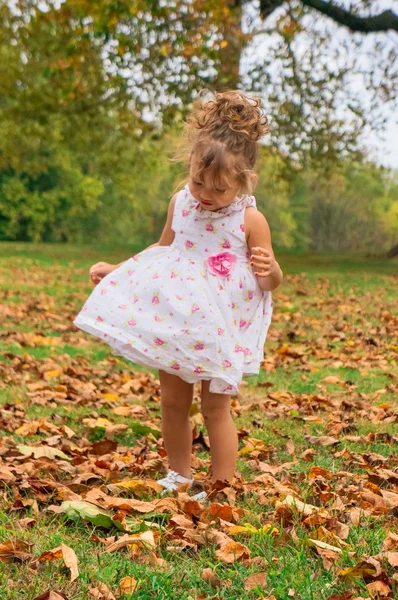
(70, 560)
(209, 576)
(128, 585)
(101, 592)
(232, 551)
(256, 580)
(378, 588)
(51, 595)
(15, 549)
(146, 539)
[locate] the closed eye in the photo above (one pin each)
(196, 182)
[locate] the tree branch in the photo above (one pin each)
(382, 22)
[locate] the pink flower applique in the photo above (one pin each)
(185, 213)
(99, 319)
(132, 322)
(210, 228)
(221, 264)
(155, 299)
(159, 342)
(220, 331)
(226, 364)
(189, 245)
(175, 365)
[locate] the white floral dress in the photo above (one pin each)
(194, 308)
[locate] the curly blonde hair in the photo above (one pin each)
(223, 133)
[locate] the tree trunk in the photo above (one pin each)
(231, 49)
(393, 252)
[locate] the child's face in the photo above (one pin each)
(210, 196)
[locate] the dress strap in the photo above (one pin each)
(178, 214)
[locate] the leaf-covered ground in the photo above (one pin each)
(313, 513)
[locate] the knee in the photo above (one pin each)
(171, 403)
(216, 411)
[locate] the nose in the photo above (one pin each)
(206, 195)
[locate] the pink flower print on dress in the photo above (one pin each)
(175, 365)
(159, 342)
(220, 331)
(113, 283)
(158, 319)
(240, 284)
(198, 346)
(122, 306)
(211, 228)
(221, 264)
(103, 292)
(135, 298)
(99, 319)
(195, 308)
(178, 297)
(189, 245)
(226, 364)
(249, 295)
(185, 213)
(225, 244)
(242, 323)
(198, 370)
(238, 348)
(132, 323)
(130, 272)
(242, 227)
(155, 276)
(173, 274)
(247, 352)
(155, 299)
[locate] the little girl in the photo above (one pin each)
(197, 305)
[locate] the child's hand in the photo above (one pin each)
(263, 262)
(100, 270)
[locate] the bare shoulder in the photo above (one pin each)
(257, 230)
(255, 220)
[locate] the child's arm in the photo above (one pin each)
(101, 269)
(266, 268)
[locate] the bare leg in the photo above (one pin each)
(176, 400)
(216, 409)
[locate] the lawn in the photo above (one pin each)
(313, 511)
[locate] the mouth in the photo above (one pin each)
(206, 203)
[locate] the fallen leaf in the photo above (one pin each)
(51, 595)
(70, 560)
(15, 549)
(209, 576)
(101, 592)
(128, 585)
(42, 452)
(256, 580)
(232, 551)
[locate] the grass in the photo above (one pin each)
(335, 317)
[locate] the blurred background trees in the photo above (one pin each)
(93, 96)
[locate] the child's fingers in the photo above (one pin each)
(262, 273)
(261, 251)
(264, 260)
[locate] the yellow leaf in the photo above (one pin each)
(53, 373)
(128, 585)
(224, 44)
(111, 397)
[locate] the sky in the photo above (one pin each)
(381, 145)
